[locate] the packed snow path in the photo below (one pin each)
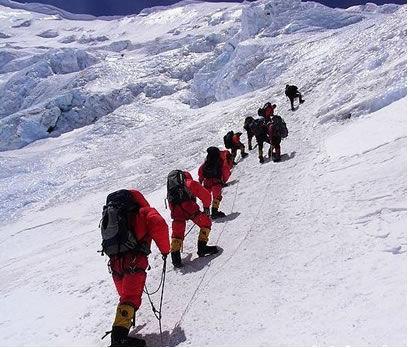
(292, 271)
(314, 251)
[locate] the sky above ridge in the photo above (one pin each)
(125, 7)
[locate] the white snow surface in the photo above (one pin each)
(314, 249)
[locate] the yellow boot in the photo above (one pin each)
(125, 315)
(202, 248)
(176, 245)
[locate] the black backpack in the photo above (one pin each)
(258, 127)
(291, 91)
(261, 112)
(247, 123)
(176, 189)
(212, 170)
(279, 126)
(117, 236)
(228, 139)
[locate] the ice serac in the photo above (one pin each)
(262, 15)
(268, 42)
(199, 56)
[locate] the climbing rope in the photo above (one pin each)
(158, 313)
(208, 268)
(191, 228)
(250, 228)
(232, 207)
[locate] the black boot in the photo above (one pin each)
(176, 259)
(215, 214)
(203, 249)
(120, 338)
(261, 160)
(277, 154)
(243, 155)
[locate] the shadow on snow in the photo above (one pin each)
(229, 217)
(284, 157)
(197, 264)
(171, 339)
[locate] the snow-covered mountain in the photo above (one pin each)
(315, 250)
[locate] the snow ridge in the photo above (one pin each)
(52, 10)
(203, 67)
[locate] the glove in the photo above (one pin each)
(207, 211)
(164, 257)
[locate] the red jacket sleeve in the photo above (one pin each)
(200, 174)
(158, 229)
(226, 172)
(200, 192)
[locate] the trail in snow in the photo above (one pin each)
(295, 251)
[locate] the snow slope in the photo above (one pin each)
(314, 251)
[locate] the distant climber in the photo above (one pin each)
(182, 191)
(214, 173)
(267, 111)
(292, 92)
(256, 127)
(128, 227)
(276, 131)
(249, 130)
(232, 141)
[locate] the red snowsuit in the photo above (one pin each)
(237, 145)
(190, 210)
(227, 158)
(269, 112)
(236, 141)
(129, 269)
(214, 185)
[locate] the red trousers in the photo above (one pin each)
(214, 187)
(129, 276)
(187, 211)
(179, 224)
